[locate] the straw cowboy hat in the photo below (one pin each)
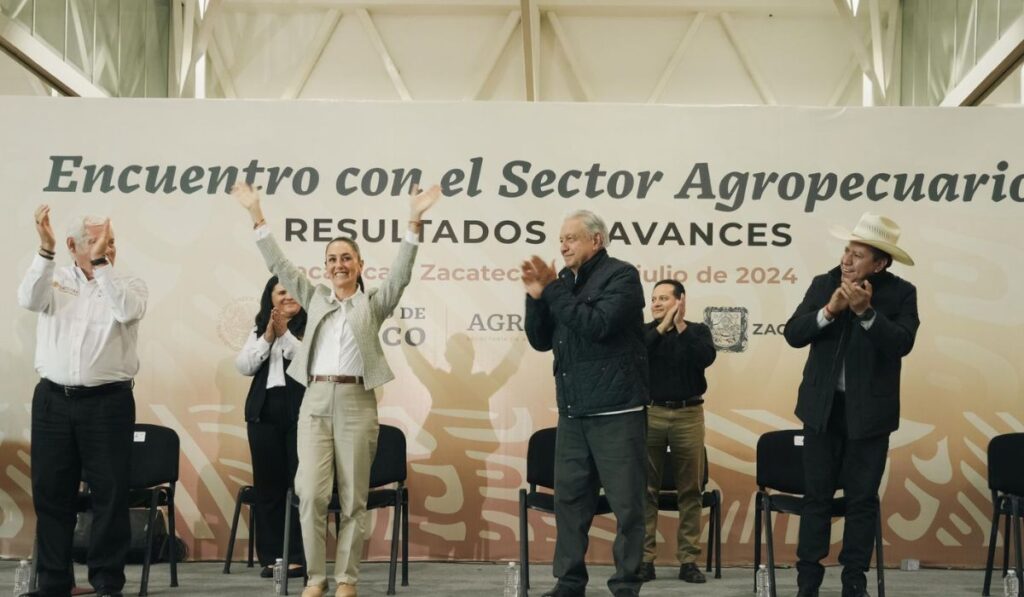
(877, 231)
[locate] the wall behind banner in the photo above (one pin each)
(469, 390)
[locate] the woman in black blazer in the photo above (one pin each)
(271, 413)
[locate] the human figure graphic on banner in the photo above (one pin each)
(590, 314)
(679, 352)
(859, 320)
(341, 361)
(462, 419)
(83, 408)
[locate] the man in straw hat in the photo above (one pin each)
(860, 321)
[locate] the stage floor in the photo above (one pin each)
(434, 579)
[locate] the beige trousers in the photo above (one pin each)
(682, 429)
(337, 439)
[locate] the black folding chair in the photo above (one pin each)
(154, 473)
(540, 473)
(1005, 453)
(246, 496)
(151, 481)
(668, 501)
(780, 468)
(388, 469)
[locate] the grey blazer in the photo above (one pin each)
(369, 310)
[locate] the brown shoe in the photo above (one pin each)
(345, 590)
(314, 591)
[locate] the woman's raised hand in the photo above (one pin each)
(248, 198)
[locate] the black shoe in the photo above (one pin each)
(102, 594)
(807, 593)
(646, 572)
(299, 572)
(691, 573)
(626, 593)
(267, 572)
(560, 591)
(855, 592)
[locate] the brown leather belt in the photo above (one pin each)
(337, 378)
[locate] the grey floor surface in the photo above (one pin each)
(437, 579)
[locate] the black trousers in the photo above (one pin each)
(590, 453)
(274, 461)
(72, 437)
(831, 461)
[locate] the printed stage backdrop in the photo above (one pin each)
(735, 202)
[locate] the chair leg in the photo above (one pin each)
(33, 581)
(252, 534)
(396, 538)
(770, 543)
(173, 535)
(1015, 514)
(718, 534)
(148, 552)
(879, 556)
(287, 535)
(1007, 536)
(405, 536)
(524, 545)
(993, 534)
(711, 537)
(758, 499)
(233, 533)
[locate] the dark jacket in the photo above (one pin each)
(678, 361)
(594, 324)
(873, 357)
(258, 393)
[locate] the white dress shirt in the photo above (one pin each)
(87, 333)
(335, 351)
(257, 350)
(824, 321)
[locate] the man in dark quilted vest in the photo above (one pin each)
(590, 314)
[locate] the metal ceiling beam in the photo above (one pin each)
(991, 69)
(747, 58)
(778, 8)
(389, 64)
(531, 48)
(859, 49)
(493, 55)
(196, 51)
(570, 56)
(677, 57)
(316, 51)
(43, 62)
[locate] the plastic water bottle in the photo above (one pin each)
(279, 572)
(763, 582)
(22, 578)
(1011, 585)
(512, 580)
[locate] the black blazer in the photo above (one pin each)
(258, 393)
(873, 357)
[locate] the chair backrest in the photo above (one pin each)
(155, 454)
(668, 472)
(1005, 454)
(389, 464)
(780, 461)
(540, 458)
